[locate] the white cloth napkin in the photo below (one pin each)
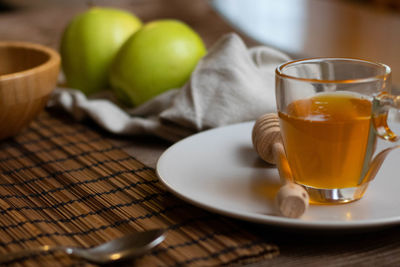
(230, 84)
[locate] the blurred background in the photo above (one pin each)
(302, 28)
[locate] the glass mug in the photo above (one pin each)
(331, 113)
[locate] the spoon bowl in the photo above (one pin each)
(123, 248)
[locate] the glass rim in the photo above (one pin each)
(279, 70)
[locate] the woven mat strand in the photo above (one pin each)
(61, 183)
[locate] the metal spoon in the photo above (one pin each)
(126, 247)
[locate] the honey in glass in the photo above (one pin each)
(327, 139)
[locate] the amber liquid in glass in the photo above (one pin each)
(326, 139)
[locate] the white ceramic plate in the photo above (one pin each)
(218, 170)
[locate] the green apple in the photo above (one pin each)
(89, 44)
(158, 57)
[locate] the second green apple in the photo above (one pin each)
(158, 57)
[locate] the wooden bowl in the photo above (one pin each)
(28, 74)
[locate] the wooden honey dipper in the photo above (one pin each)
(292, 199)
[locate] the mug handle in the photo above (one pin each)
(381, 104)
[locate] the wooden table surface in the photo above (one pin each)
(43, 21)
(321, 28)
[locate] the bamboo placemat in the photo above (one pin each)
(61, 183)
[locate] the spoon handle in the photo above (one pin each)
(17, 255)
